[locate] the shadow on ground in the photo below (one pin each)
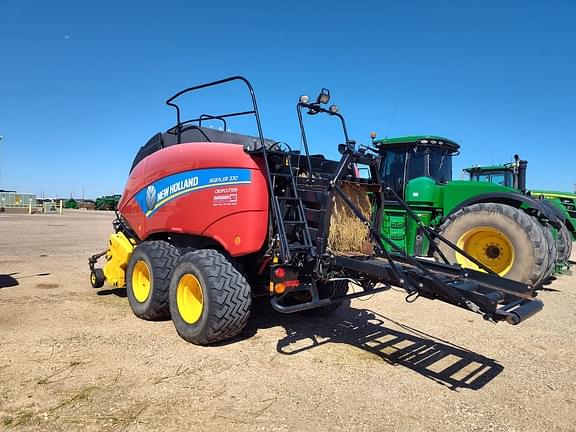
(118, 292)
(395, 343)
(7, 281)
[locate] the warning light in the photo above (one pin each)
(279, 272)
(279, 288)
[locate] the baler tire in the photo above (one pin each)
(564, 245)
(223, 294)
(529, 263)
(159, 258)
(97, 278)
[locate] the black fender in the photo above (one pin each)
(571, 227)
(543, 209)
(561, 216)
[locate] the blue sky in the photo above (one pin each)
(83, 84)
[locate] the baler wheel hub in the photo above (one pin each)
(189, 298)
(141, 283)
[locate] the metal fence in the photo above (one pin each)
(17, 200)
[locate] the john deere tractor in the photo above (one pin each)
(513, 175)
(107, 202)
(494, 227)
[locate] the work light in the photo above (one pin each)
(323, 97)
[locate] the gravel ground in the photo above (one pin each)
(72, 358)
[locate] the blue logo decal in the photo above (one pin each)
(150, 198)
(155, 195)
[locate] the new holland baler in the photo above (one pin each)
(210, 219)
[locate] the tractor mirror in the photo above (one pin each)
(341, 148)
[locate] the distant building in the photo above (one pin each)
(13, 199)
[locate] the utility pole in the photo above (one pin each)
(1, 160)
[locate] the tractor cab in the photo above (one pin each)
(410, 157)
(512, 175)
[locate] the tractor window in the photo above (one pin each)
(417, 164)
(498, 178)
(392, 169)
(482, 177)
(503, 178)
(440, 165)
(508, 179)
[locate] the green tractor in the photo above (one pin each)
(513, 175)
(71, 204)
(107, 202)
(495, 227)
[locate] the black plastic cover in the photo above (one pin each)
(192, 134)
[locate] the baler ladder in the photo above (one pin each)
(292, 215)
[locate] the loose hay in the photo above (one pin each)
(347, 232)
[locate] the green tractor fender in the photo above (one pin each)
(543, 209)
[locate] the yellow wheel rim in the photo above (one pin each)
(141, 281)
(488, 245)
(189, 298)
(93, 279)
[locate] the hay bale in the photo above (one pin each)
(347, 233)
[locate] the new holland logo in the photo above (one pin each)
(150, 198)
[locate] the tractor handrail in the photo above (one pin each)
(254, 110)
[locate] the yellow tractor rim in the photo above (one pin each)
(488, 245)
(141, 281)
(189, 298)
(93, 279)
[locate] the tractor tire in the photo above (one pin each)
(97, 278)
(502, 237)
(148, 279)
(209, 298)
(564, 244)
(552, 250)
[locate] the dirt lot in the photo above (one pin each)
(72, 358)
